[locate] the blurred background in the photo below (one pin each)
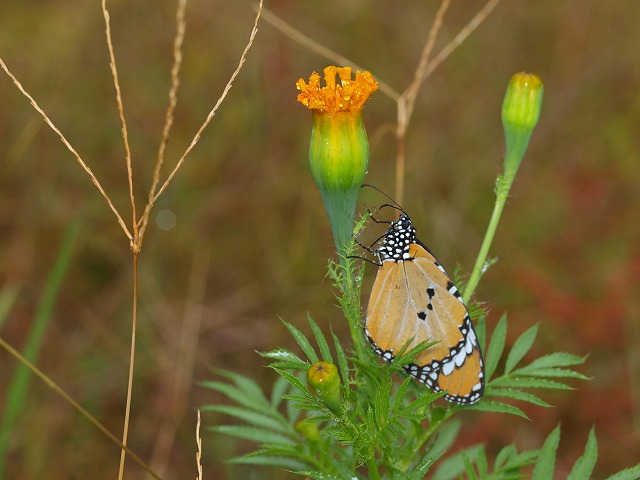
(240, 238)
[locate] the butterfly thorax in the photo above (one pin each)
(397, 241)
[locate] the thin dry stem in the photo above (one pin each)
(79, 408)
(407, 100)
(134, 317)
(337, 59)
(199, 452)
(125, 135)
(467, 30)
(411, 92)
(425, 68)
(196, 138)
(181, 25)
(66, 143)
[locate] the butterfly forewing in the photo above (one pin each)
(413, 300)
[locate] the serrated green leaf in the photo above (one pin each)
(583, 468)
(496, 407)
(519, 461)
(399, 395)
(504, 455)
(343, 365)
(290, 366)
(299, 398)
(557, 359)
(452, 467)
(267, 461)
(318, 475)
(424, 464)
(496, 347)
(549, 372)
(529, 382)
(285, 357)
(302, 341)
(517, 395)
(280, 450)
(280, 387)
(294, 381)
(469, 468)
(249, 388)
(545, 466)
(235, 394)
(520, 348)
(482, 464)
(632, 473)
(325, 352)
(272, 422)
(421, 402)
(257, 435)
(447, 434)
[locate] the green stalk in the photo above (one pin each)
(520, 114)
(502, 193)
(15, 399)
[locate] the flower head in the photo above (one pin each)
(339, 148)
(346, 96)
(520, 114)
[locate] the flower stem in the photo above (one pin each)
(502, 193)
(374, 473)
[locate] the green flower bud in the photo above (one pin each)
(520, 114)
(339, 148)
(324, 379)
(310, 430)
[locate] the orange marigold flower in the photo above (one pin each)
(344, 96)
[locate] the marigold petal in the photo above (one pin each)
(347, 95)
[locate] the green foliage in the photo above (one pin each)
(386, 426)
(383, 425)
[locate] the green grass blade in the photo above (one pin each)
(15, 398)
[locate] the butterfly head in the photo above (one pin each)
(396, 242)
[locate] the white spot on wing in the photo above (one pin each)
(447, 367)
(459, 358)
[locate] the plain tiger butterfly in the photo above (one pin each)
(413, 300)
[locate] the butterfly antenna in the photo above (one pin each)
(393, 203)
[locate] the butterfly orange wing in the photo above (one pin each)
(414, 300)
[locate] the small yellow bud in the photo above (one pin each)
(522, 102)
(520, 114)
(324, 379)
(309, 430)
